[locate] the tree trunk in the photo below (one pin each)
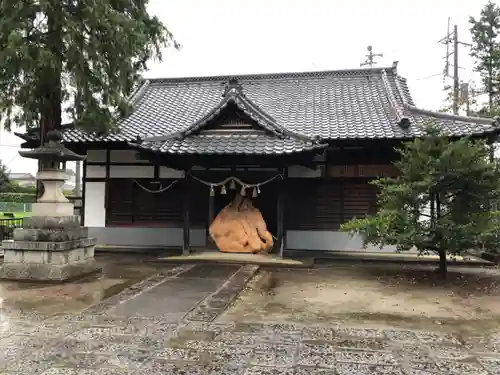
(50, 90)
(443, 269)
(490, 78)
(443, 266)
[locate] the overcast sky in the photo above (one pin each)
(260, 36)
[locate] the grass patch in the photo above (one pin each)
(17, 215)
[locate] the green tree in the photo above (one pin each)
(485, 50)
(466, 100)
(439, 201)
(83, 57)
(5, 183)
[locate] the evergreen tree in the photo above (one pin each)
(84, 55)
(463, 98)
(5, 183)
(485, 32)
(439, 201)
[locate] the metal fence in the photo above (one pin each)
(15, 207)
(7, 227)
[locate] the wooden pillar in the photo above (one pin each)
(84, 183)
(211, 216)
(186, 227)
(281, 214)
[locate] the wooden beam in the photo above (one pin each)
(84, 183)
(186, 224)
(281, 213)
(211, 217)
(107, 187)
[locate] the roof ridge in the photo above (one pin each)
(138, 93)
(275, 75)
(441, 115)
(398, 112)
(447, 116)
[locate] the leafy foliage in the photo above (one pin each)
(463, 98)
(87, 54)
(440, 200)
(5, 183)
(485, 32)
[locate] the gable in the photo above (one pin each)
(231, 118)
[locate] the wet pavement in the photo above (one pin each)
(167, 324)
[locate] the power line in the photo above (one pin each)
(446, 40)
(429, 77)
(10, 161)
(451, 40)
(370, 57)
(410, 46)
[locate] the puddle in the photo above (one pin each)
(119, 273)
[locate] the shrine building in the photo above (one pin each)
(301, 146)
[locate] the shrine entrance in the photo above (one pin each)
(251, 195)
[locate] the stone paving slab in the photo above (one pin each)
(174, 297)
(97, 342)
(216, 303)
(143, 346)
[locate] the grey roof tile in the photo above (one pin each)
(350, 104)
(231, 143)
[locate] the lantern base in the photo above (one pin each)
(48, 261)
(51, 248)
(53, 209)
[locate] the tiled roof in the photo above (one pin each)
(343, 104)
(237, 143)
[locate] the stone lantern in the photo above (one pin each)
(51, 246)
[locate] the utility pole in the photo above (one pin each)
(452, 38)
(446, 41)
(465, 96)
(456, 82)
(370, 57)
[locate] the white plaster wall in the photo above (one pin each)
(324, 240)
(298, 171)
(95, 210)
(154, 237)
(95, 171)
(125, 156)
(131, 171)
(96, 156)
(165, 172)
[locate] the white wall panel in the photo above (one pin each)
(95, 171)
(96, 156)
(298, 171)
(131, 171)
(95, 211)
(125, 156)
(165, 172)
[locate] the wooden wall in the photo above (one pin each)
(316, 199)
(325, 204)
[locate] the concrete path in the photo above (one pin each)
(167, 324)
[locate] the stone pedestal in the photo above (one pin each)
(51, 246)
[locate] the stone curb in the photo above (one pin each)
(491, 257)
(216, 303)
